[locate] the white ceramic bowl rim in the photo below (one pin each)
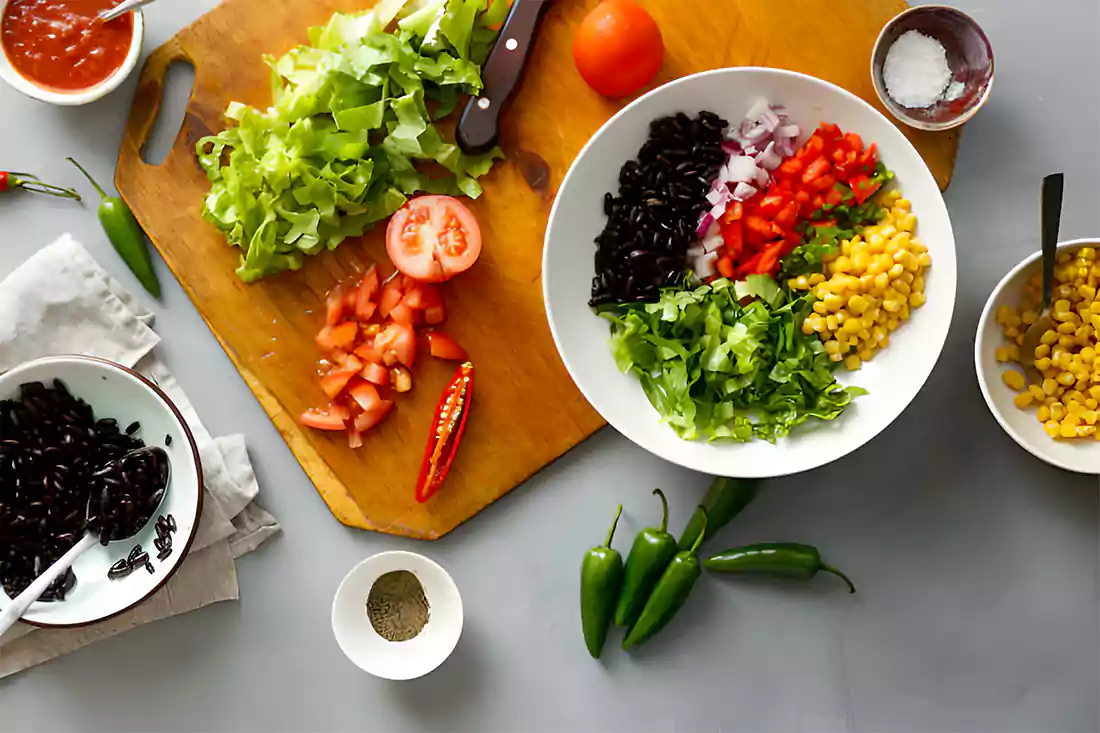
(82, 96)
(1042, 447)
(180, 550)
(589, 361)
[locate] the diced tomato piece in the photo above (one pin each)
(749, 266)
(397, 343)
(442, 346)
(341, 336)
(401, 379)
(334, 382)
(368, 420)
(760, 227)
(769, 259)
(364, 295)
(791, 167)
(864, 188)
(375, 373)
(814, 148)
(365, 395)
(788, 217)
(770, 206)
(368, 353)
(323, 420)
(823, 183)
(403, 314)
(853, 142)
(830, 131)
(435, 316)
(334, 306)
(347, 361)
(392, 293)
(834, 197)
(725, 266)
(733, 237)
(735, 210)
(422, 296)
(355, 438)
(815, 170)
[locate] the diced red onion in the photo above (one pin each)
(788, 131)
(769, 160)
(704, 266)
(740, 169)
(695, 252)
(758, 108)
(762, 178)
(731, 147)
(744, 192)
(713, 242)
(704, 225)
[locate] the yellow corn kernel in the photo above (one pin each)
(1057, 411)
(1066, 328)
(1014, 379)
(1042, 350)
(1022, 400)
(1066, 379)
(1067, 341)
(857, 304)
(831, 322)
(1028, 317)
(1036, 391)
(1085, 431)
(866, 354)
(832, 347)
(1049, 337)
(1061, 360)
(836, 357)
(1043, 413)
(1073, 407)
(853, 363)
(1052, 428)
(1043, 364)
(1011, 332)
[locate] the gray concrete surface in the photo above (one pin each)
(977, 564)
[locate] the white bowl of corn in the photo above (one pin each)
(1056, 415)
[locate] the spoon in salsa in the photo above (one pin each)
(126, 6)
(102, 529)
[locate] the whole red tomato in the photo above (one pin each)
(618, 48)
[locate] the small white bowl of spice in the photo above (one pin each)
(397, 615)
(932, 67)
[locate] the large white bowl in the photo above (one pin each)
(1082, 456)
(80, 96)
(115, 391)
(893, 378)
(397, 660)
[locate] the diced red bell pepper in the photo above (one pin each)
(733, 237)
(864, 188)
(816, 170)
(725, 267)
(771, 206)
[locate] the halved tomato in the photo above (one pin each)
(433, 238)
(396, 343)
(369, 419)
(442, 346)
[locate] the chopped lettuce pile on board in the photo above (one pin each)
(717, 369)
(350, 122)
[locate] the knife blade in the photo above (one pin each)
(479, 127)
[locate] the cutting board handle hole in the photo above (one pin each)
(179, 81)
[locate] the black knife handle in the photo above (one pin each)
(479, 127)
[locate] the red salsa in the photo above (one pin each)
(59, 44)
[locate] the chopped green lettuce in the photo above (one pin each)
(716, 369)
(350, 124)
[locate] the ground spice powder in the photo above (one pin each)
(396, 606)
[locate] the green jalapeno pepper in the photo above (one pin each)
(650, 554)
(669, 595)
(601, 578)
(725, 499)
(126, 236)
(785, 559)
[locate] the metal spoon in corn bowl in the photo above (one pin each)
(1051, 220)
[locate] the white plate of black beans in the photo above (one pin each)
(69, 429)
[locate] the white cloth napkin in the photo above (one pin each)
(61, 301)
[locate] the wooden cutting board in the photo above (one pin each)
(526, 411)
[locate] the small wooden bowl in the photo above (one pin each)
(969, 56)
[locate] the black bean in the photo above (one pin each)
(164, 553)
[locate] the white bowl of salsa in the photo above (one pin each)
(57, 52)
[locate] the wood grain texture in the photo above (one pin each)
(526, 410)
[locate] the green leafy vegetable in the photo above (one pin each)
(349, 131)
(716, 369)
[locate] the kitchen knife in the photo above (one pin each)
(479, 127)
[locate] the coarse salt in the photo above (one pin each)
(916, 71)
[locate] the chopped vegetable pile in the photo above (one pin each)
(708, 363)
(802, 262)
(351, 119)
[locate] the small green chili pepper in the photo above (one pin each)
(601, 577)
(125, 234)
(725, 499)
(785, 559)
(668, 595)
(650, 554)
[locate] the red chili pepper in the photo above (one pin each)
(30, 183)
(447, 428)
